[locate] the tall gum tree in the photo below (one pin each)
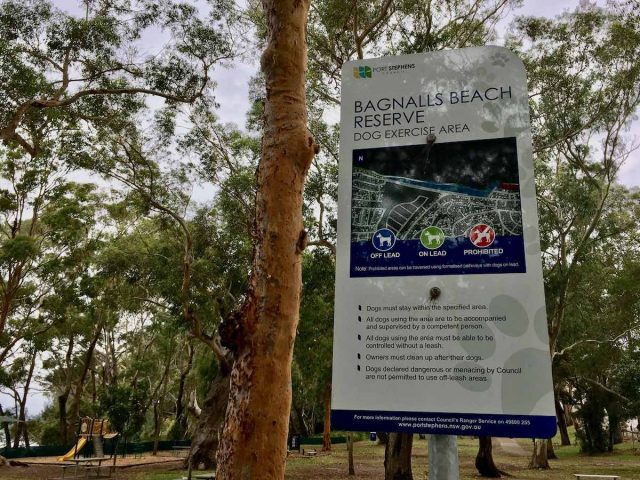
(79, 74)
(253, 443)
(584, 92)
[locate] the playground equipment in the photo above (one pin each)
(74, 450)
(94, 430)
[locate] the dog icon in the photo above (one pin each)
(384, 240)
(433, 238)
(482, 237)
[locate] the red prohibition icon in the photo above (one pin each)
(482, 235)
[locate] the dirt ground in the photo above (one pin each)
(41, 468)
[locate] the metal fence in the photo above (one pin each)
(124, 447)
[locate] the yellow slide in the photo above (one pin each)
(69, 455)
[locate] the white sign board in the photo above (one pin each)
(440, 322)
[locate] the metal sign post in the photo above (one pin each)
(443, 457)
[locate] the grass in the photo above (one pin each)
(369, 459)
(624, 461)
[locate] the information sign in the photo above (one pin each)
(440, 321)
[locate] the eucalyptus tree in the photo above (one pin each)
(85, 70)
(599, 342)
(192, 261)
(253, 443)
(344, 30)
(88, 317)
(312, 354)
(231, 229)
(48, 237)
(17, 380)
(584, 86)
(65, 78)
(47, 221)
(601, 327)
(147, 263)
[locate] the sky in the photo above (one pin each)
(232, 95)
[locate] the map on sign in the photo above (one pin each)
(444, 204)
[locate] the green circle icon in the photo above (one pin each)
(432, 237)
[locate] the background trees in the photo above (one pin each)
(584, 86)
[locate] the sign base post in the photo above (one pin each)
(443, 457)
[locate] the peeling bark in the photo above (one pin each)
(254, 440)
(193, 407)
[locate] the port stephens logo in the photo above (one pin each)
(362, 72)
(367, 72)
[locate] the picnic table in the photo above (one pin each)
(580, 476)
(86, 467)
(201, 476)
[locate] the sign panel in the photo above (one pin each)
(440, 321)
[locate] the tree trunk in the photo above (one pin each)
(383, 438)
(181, 413)
(254, 440)
(352, 468)
(551, 453)
(21, 429)
(568, 415)
(64, 396)
(562, 422)
(78, 391)
(299, 420)
(156, 427)
(326, 433)
(62, 412)
(539, 455)
(484, 459)
(11, 287)
(94, 389)
(397, 457)
(204, 444)
(5, 427)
